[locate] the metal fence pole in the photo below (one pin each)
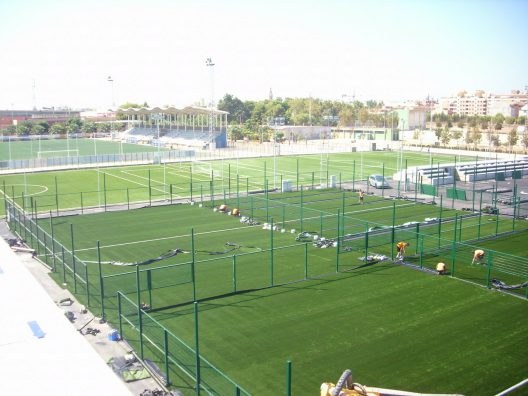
(234, 274)
(101, 281)
(271, 254)
(305, 261)
(56, 196)
(73, 260)
(54, 268)
(289, 378)
(139, 312)
(197, 348)
(166, 355)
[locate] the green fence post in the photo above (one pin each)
(149, 188)
(460, 229)
(354, 175)
(251, 203)
(170, 192)
(305, 261)
(455, 229)
(82, 203)
(496, 222)
(337, 239)
(367, 241)
(393, 231)
(234, 274)
(271, 253)
(212, 193)
(87, 285)
(193, 272)
(128, 198)
(119, 314)
(197, 348)
(54, 267)
(140, 318)
(313, 181)
(417, 235)
(101, 281)
(297, 173)
(247, 186)
(63, 266)
(73, 260)
(267, 208)
(238, 190)
(201, 193)
(421, 251)
(166, 355)
(56, 195)
(440, 219)
(104, 189)
(289, 378)
(383, 175)
(320, 223)
(302, 207)
(149, 286)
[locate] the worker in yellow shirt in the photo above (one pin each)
(400, 248)
(478, 256)
(441, 268)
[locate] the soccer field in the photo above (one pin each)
(125, 185)
(393, 326)
(265, 294)
(36, 148)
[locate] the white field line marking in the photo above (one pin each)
(129, 180)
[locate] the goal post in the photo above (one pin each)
(202, 168)
(58, 153)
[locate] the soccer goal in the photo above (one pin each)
(58, 153)
(202, 168)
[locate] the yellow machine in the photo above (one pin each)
(222, 208)
(345, 387)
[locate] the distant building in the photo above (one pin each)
(482, 104)
(411, 117)
(11, 117)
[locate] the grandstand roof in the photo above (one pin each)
(172, 110)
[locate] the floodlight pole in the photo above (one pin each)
(209, 63)
(111, 81)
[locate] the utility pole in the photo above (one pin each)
(209, 63)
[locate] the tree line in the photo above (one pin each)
(254, 119)
(71, 126)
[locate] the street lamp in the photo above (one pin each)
(209, 63)
(111, 81)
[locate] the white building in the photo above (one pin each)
(482, 104)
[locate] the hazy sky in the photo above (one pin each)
(155, 50)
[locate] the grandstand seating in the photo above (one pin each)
(492, 170)
(466, 172)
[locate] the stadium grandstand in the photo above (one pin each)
(171, 127)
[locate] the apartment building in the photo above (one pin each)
(482, 104)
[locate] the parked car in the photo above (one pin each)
(378, 181)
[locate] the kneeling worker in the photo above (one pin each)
(222, 208)
(400, 248)
(478, 256)
(441, 268)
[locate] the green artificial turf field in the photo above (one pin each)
(98, 187)
(58, 148)
(393, 326)
(266, 298)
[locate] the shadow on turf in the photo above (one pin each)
(213, 301)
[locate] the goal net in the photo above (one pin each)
(58, 153)
(202, 168)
